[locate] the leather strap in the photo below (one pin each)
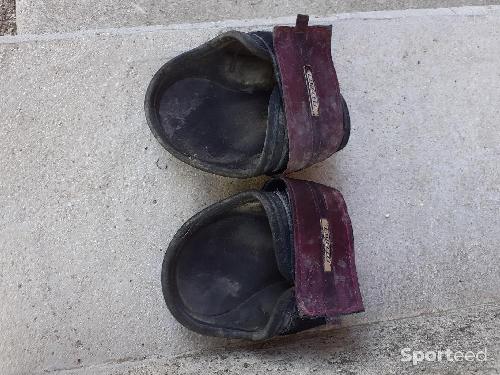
(326, 282)
(310, 90)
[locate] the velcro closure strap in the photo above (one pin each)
(310, 91)
(326, 282)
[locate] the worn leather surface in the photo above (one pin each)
(326, 282)
(310, 91)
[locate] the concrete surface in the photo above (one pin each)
(37, 16)
(364, 349)
(89, 201)
(7, 17)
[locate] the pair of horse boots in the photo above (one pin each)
(262, 262)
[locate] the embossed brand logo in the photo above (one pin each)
(311, 91)
(326, 243)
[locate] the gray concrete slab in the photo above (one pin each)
(89, 201)
(365, 349)
(36, 16)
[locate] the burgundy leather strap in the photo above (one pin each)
(326, 282)
(311, 93)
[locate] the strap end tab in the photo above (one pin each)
(301, 22)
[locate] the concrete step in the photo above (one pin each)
(89, 200)
(378, 348)
(49, 16)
